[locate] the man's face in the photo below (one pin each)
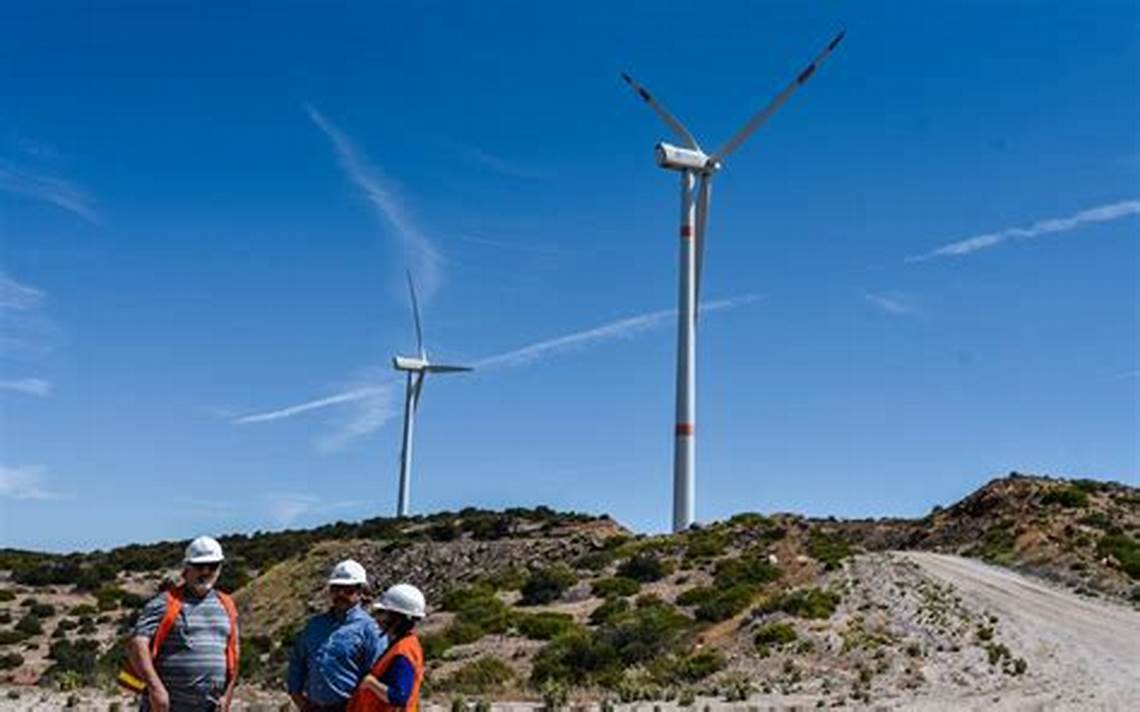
(201, 577)
(344, 597)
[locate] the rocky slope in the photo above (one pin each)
(530, 603)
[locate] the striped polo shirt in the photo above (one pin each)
(192, 660)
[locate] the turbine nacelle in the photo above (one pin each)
(406, 363)
(684, 159)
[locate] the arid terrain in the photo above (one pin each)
(1024, 595)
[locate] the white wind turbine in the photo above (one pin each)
(693, 163)
(417, 367)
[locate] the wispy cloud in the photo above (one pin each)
(538, 249)
(497, 164)
(620, 329)
(24, 328)
(284, 508)
(18, 297)
(891, 303)
(27, 386)
(419, 252)
(1103, 213)
(25, 482)
(49, 189)
(376, 402)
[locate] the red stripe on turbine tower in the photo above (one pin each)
(684, 429)
(686, 231)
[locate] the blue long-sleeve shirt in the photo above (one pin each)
(399, 677)
(332, 655)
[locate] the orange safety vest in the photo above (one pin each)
(409, 646)
(131, 679)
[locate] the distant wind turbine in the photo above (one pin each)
(692, 162)
(417, 368)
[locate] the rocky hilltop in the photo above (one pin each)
(531, 603)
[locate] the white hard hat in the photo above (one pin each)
(348, 573)
(204, 550)
(402, 598)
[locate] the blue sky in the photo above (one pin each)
(924, 268)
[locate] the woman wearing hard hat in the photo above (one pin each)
(393, 683)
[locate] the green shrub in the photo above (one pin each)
(811, 603)
(725, 604)
(83, 609)
(30, 625)
(508, 578)
(997, 544)
(434, 645)
(595, 560)
(1066, 497)
(610, 608)
(632, 637)
(1124, 549)
(6, 595)
(79, 657)
(485, 611)
(696, 595)
(546, 585)
(545, 625)
(644, 633)
(9, 661)
(752, 569)
(11, 637)
(694, 667)
(43, 610)
(645, 568)
(749, 519)
(574, 657)
(455, 597)
(616, 586)
(774, 634)
(705, 544)
(483, 675)
(828, 548)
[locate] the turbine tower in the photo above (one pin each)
(695, 166)
(417, 367)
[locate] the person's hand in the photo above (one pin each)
(300, 701)
(159, 698)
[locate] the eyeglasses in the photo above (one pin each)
(211, 566)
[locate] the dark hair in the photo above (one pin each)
(404, 625)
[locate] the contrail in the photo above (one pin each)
(289, 411)
(418, 249)
(1104, 213)
(607, 332)
(373, 418)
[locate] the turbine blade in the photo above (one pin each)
(679, 130)
(416, 315)
(766, 113)
(440, 368)
(419, 386)
(703, 198)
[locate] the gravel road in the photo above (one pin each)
(1082, 653)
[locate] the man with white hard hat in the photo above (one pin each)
(337, 648)
(184, 651)
(393, 683)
